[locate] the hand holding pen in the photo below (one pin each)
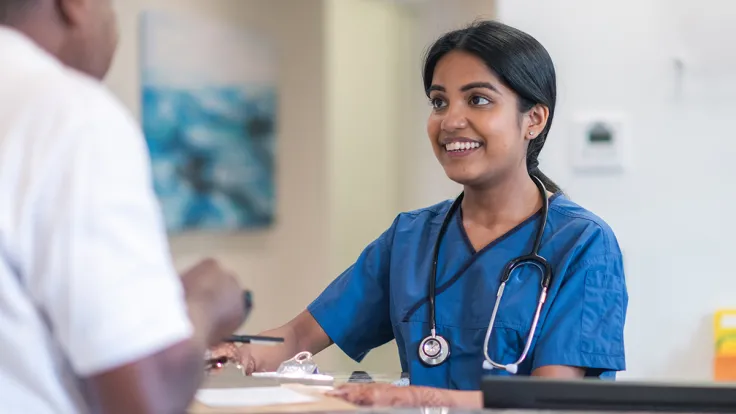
(230, 352)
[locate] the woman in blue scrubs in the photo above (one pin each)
(492, 91)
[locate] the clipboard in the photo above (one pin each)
(323, 403)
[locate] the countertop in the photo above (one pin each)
(232, 378)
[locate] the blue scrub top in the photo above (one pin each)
(384, 296)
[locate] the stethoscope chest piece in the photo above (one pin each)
(434, 350)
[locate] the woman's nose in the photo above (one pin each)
(454, 119)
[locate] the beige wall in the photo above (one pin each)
(281, 265)
(351, 142)
(363, 84)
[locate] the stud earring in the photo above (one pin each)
(531, 133)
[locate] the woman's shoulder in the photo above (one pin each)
(437, 209)
(569, 219)
(412, 225)
(424, 216)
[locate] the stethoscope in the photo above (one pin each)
(434, 349)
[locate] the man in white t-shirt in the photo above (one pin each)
(93, 317)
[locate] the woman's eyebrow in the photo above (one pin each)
(467, 87)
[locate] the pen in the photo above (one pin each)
(255, 339)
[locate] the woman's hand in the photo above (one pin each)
(387, 395)
(239, 355)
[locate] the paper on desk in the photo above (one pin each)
(251, 396)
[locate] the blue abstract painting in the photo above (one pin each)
(209, 114)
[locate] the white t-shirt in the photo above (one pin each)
(86, 282)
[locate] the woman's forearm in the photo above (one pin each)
(269, 357)
(467, 399)
(387, 395)
(302, 333)
(438, 397)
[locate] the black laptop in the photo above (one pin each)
(602, 395)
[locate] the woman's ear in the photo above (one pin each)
(536, 121)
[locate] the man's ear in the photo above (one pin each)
(73, 12)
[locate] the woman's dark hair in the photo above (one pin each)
(519, 61)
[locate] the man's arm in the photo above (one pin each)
(100, 268)
(140, 386)
(175, 372)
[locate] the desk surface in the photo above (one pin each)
(232, 378)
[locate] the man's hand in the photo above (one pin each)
(214, 294)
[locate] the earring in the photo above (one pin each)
(531, 133)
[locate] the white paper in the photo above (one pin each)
(250, 397)
(294, 375)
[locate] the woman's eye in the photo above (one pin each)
(479, 100)
(437, 103)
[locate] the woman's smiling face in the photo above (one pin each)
(475, 126)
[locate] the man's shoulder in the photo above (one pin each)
(47, 95)
(82, 98)
(56, 116)
(41, 95)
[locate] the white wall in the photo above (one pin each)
(284, 265)
(672, 210)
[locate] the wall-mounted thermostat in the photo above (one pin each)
(600, 142)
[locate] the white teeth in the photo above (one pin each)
(461, 146)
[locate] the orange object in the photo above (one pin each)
(725, 368)
(724, 364)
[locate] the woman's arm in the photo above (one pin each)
(302, 333)
(470, 399)
(389, 395)
(559, 371)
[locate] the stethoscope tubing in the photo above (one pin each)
(532, 258)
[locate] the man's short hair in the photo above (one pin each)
(11, 9)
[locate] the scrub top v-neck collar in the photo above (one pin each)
(459, 222)
(474, 256)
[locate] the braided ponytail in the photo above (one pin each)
(532, 163)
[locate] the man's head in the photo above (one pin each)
(81, 33)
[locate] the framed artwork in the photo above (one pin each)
(209, 112)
